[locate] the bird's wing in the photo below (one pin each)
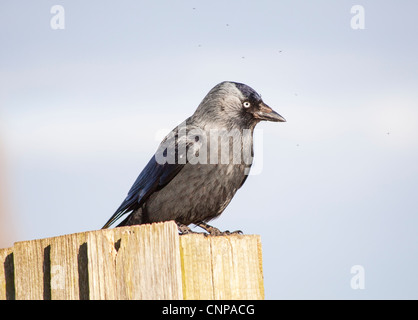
(153, 177)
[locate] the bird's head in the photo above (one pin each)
(236, 105)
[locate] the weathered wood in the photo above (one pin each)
(228, 267)
(196, 264)
(68, 267)
(101, 254)
(136, 262)
(237, 267)
(7, 289)
(31, 262)
(140, 262)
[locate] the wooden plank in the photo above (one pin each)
(236, 267)
(148, 262)
(137, 262)
(196, 264)
(68, 257)
(32, 273)
(101, 253)
(228, 267)
(7, 289)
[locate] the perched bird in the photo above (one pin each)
(200, 165)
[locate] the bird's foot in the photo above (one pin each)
(228, 233)
(183, 229)
(215, 231)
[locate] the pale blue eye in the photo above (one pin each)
(246, 104)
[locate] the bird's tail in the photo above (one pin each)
(133, 218)
(112, 220)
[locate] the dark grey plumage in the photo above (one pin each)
(190, 192)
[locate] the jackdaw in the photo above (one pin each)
(200, 165)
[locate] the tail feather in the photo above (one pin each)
(133, 218)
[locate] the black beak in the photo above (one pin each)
(268, 114)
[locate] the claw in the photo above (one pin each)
(234, 232)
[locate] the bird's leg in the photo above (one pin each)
(183, 229)
(215, 231)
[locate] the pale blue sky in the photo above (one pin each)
(81, 110)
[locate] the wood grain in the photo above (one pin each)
(31, 263)
(7, 290)
(137, 262)
(227, 267)
(68, 273)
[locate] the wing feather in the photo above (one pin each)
(152, 178)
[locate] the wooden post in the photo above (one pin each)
(136, 262)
